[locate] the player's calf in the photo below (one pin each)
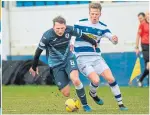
(94, 86)
(117, 94)
(107, 74)
(80, 90)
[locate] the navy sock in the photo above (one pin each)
(81, 94)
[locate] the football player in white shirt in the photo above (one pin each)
(90, 61)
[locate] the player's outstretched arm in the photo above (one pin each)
(34, 70)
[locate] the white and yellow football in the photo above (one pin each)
(72, 105)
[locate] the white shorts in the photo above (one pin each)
(88, 64)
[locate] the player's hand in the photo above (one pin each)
(137, 51)
(94, 47)
(115, 39)
(33, 72)
(71, 48)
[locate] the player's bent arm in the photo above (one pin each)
(137, 41)
(110, 37)
(138, 36)
(78, 33)
(36, 58)
(88, 39)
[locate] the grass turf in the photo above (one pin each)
(48, 100)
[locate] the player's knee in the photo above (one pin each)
(93, 76)
(76, 81)
(75, 78)
(66, 91)
(96, 81)
(111, 80)
(66, 94)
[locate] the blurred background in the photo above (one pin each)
(0, 57)
(24, 22)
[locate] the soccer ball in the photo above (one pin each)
(72, 105)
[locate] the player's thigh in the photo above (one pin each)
(94, 77)
(108, 76)
(60, 77)
(86, 69)
(85, 65)
(71, 66)
(72, 70)
(100, 65)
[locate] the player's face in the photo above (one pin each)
(141, 18)
(94, 15)
(59, 28)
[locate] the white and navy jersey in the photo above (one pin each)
(94, 31)
(57, 48)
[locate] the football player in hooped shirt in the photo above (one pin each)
(90, 62)
(56, 41)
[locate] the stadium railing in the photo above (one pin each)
(53, 3)
(47, 3)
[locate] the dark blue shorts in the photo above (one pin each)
(62, 72)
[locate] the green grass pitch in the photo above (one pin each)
(48, 100)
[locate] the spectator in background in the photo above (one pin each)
(143, 34)
(141, 17)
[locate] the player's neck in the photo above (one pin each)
(93, 23)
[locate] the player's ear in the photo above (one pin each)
(89, 11)
(100, 14)
(65, 26)
(53, 26)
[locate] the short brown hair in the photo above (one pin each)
(59, 19)
(142, 14)
(95, 5)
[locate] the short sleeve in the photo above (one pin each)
(140, 29)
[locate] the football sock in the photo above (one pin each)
(93, 89)
(81, 94)
(116, 91)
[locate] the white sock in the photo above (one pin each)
(116, 91)
(93, 89)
